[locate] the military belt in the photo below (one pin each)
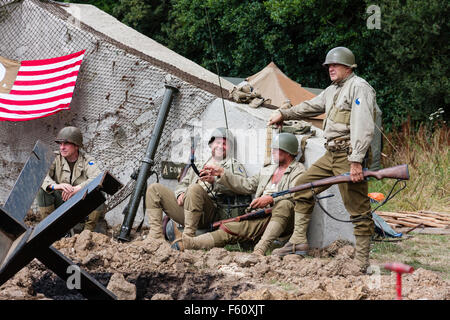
(339, 145)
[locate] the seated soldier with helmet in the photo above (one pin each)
(279, 176)
(69, 173)
(196, 203)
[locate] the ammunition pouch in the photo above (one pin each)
(231, 206)
(339, 145)
(340, 115)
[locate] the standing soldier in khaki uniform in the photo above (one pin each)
(273, 178)
(69, 173)
(349, 103)
(194, 202)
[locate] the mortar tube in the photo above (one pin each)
(147, 164)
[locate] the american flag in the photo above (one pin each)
(40, 88)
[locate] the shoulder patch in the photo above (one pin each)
(357, 101)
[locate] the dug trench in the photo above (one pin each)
(148, 285)
(145, 269)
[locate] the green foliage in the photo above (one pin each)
(145, 16)
(405, 61)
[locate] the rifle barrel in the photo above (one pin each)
(398, 172)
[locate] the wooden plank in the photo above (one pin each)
(442, 215)
(427, 218)
(427, 223)
(414, 217)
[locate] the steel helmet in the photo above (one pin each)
(70, 134)
(222, 133)
(287, 142)
(340, 55)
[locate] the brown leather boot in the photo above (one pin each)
(289, 248)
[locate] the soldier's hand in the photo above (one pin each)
(261, 202)
(180, 199)
(67, 195)
(276, 118)
(205, 176)
(65, 187)
(212, 170)
(356, 173)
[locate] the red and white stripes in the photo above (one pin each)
(41, 88)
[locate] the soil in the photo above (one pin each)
(151, 269)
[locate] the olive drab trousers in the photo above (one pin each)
(252, 230)
(196, 200)
(54, 200)
(354, 195)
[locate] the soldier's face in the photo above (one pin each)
(219, 148)
(338, 72)
(68, 150)
(280, 156)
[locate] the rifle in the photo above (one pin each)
(248, 216)
(191, 161)
(399, 172)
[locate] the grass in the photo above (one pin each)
(429, 252)
(427, 154)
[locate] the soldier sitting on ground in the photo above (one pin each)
(69, 173)
(279, 176)
(195, 203)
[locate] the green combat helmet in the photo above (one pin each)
(287, 142)
(340, 55)
(70, 134)
(222, 133)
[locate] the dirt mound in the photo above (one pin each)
(149, 269)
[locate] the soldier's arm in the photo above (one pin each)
(237, 169)
(306, 109)
(237, 183)
(48, 181)
(361, 122)
(183, 185)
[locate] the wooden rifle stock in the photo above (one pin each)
(248, 216)
(399, 172)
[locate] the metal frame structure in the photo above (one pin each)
(20, 244)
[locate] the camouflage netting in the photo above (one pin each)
(117, 96)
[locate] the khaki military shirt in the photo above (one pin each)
(349, 106)
(85, 170)
(217, 189)
(261, 182)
